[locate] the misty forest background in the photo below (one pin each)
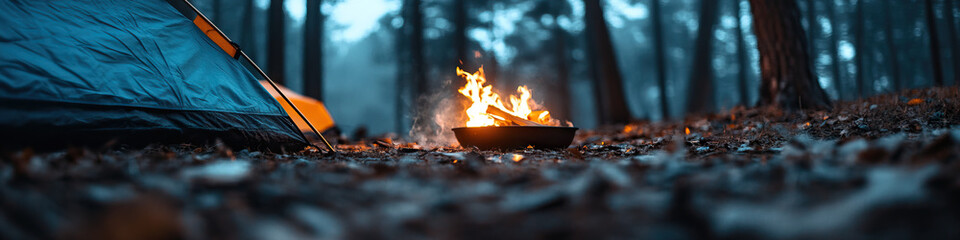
(369, 60)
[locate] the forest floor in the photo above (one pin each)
(887, 167)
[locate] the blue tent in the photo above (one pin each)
(135, 72)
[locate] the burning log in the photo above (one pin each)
(487, 109)
(539, 116)
(510, 117)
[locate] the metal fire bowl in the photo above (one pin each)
(515, 137)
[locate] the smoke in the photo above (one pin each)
(440, 111)
(437, 113)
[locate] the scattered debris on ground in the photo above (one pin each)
(888, 166)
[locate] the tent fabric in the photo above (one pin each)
(136, 72)
(312, 109)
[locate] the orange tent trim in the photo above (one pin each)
(314, 110)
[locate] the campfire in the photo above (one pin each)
(487, 109)
(493, 125)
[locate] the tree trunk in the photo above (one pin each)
(787, 81)
(891, 48)
(218, 12)
(560, 110)
(416, 48)
(951, 31)
(660, 61)
(313, 51)
(491, 67)
(411, 78)
(400, 46)
(277, 41)
(701, 95)
(742, 59)
(812, 29)
(460, 33)
(934, 43)
(608, 86)
(834, 52)
(403, 67)
(860, 49)
(248, 41)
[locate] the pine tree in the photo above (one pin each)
(787, 80)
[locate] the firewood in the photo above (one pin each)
(539, 116)
(510, 117)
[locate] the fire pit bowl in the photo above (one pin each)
(515, 137)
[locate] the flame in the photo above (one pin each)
(483, 96)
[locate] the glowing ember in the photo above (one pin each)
(483, 97)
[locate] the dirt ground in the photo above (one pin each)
(883, 167)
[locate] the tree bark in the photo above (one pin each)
(403, 67)
(934, 44)
(742, 59)
(891, 48)
(660, 61)
(401, 81)
(561, 110)
(249, 39)
(812, 29)
(218, 12)
(701, 97)
(313, 51)
(608, 86)
(460, 33)
(276, 56)
(951, 31)
(860, 49)
(418, 67)
(787, 81)
(834, 52)
(411, 78)
(491, 67)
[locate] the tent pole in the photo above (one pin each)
(272, 83)
(277, 88)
